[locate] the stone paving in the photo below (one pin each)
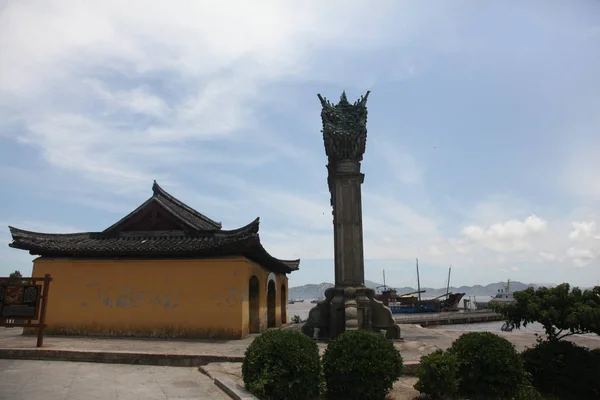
(418, 341)
(57, 380)
(12, 338)
(63, 381)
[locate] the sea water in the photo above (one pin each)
(302, 309)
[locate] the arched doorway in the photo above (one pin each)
(283, 305)
(253, 295)
(271, 305)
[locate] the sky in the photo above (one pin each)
(482, 145)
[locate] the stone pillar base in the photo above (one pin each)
(350, 308)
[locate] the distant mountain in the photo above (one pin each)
(313, 291)
(310, 291)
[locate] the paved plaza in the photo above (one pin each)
(58, 380)
(50, 380)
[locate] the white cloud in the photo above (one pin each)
(580, 257)
(435, 250)
(395, 218)
(548, 256)
(140, 99)
(508, 236)
(582, 230)
(76, 75)
(401, 165)
(580, 177)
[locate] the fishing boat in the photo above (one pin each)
(504, 296)
(409, 303)
(410, 309)
(291, 301)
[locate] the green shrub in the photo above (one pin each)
(490, 367)
(283, 365)
(527, 392)
(361, 365)
(438, 374)
(296, 319)
(563, 369)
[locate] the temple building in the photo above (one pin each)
(164, 270)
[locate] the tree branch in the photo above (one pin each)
(570, 333)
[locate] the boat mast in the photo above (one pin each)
(418, 281)
(448, 286)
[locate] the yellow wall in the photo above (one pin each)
(162, 298)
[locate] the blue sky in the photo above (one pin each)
(483, 130)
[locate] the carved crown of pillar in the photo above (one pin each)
(344, 128)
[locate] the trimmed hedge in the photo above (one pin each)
(490, 367)
(438, 374)
(563, 369)
(283, 365)
(360, 365)
(528, 392)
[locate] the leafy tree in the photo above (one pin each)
(17, 278)
(562, 369)
(561, 311)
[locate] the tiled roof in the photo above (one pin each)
(202, 238)
(177, 244)
(190, 217)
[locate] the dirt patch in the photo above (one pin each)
(403, 389)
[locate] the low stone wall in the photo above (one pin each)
(136, 358)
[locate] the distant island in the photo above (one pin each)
(313, 291)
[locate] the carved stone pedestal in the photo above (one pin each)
(350, 308)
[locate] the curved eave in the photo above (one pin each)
(257, 253)
(16, 233)
(251, 228)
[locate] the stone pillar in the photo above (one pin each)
(349, 305)
(345, 180)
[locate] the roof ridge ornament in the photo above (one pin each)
(159, 191)
(361, 102)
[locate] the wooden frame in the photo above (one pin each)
(41, 304)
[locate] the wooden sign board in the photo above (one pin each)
(19, 300)
(23, 301)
